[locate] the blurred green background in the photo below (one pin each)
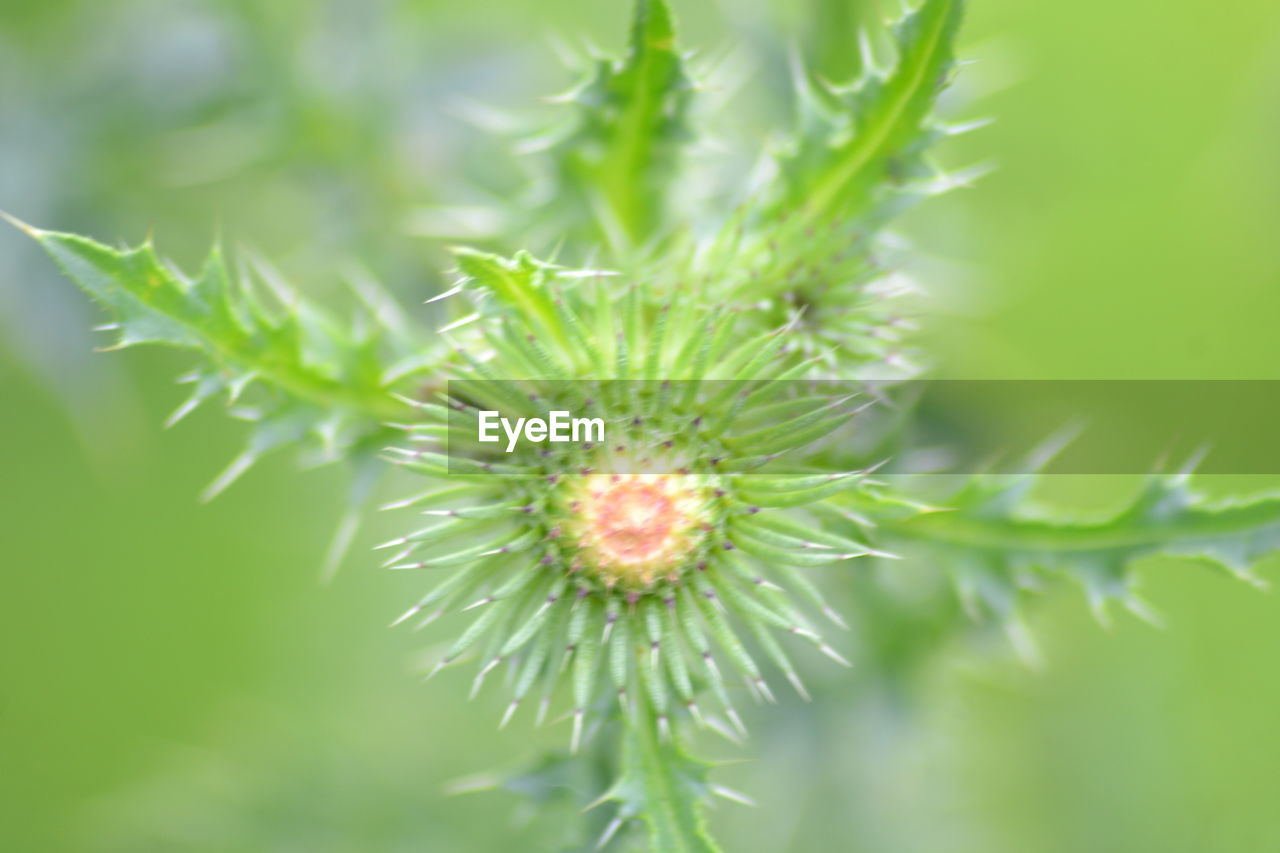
(174, 677)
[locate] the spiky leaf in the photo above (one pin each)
(614, 160)
(662, 785)
(997, 544)
(318, 383)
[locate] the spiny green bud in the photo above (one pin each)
(660, 557)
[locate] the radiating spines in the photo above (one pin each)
(654, 586)
(713, 621)
(533, 320)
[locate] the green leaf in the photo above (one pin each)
(832, 27)
(662, 784)
(997, 546)
(320, 383)
(615, 161)
(838, 172)
(807, 247)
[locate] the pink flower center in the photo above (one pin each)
(636, 527)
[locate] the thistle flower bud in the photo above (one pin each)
(620, 561)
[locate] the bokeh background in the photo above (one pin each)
(174, 677)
